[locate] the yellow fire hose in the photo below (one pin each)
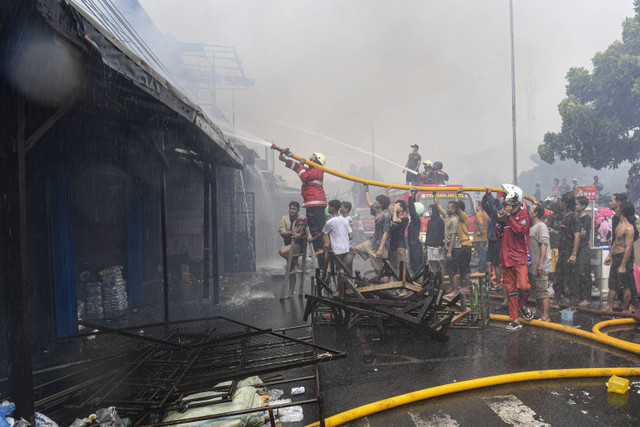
(596, 335)
(398, 186)
(405, 399)
(613, 322)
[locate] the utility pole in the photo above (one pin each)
(513, 97)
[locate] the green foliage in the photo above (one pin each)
(601, 113)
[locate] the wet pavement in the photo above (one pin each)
(381, 367)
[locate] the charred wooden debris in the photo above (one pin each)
(392, 297)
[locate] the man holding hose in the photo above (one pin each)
(312, 191)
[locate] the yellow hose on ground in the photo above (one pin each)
(602, 338)
(398, 186)
(404, 399)
(614, 322)
(416, 396)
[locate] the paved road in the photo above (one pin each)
(402, 362)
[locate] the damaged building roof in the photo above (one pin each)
(123, 49)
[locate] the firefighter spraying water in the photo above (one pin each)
(312, 191)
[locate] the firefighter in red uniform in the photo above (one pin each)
(312, 192)
(433, 174)
(513, 225)
(440, 177)
(426, 177)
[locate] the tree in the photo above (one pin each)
(601, 113)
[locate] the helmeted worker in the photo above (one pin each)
(314, 198)
(426, 177)
(433, 174)
(440, 177)
(513, 224)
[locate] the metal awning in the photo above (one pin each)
(121, 48)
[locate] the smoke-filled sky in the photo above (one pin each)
(432, 72)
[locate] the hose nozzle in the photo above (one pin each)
(284, 151)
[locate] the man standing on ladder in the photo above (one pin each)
(293, 229)
(315, 201)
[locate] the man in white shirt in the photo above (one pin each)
(338, 230)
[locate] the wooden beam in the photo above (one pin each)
(48, 124)
(388, 286)
(459, 316)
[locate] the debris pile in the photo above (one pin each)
(416, 301)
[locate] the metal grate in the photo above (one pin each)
(188, 357)
(239, 228)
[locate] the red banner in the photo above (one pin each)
(588, 192)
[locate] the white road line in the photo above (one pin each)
(513, 412)
(434, 420)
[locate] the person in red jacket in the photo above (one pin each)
(513, 224)
(314, 199)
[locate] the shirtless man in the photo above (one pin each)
(620, 258)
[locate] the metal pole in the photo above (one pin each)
(513, 97)
(233, 107)
(165, 262)
(14, 278)
(215, 274)
(206, 257)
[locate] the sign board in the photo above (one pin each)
(589, 192)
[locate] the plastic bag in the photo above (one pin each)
(6, 408)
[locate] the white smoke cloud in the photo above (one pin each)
(432, 72)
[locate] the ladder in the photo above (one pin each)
(302, 266)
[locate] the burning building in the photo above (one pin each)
(118, 189)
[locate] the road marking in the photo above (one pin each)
(513, 412)
(436, 420)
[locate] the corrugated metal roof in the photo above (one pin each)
(153, 68)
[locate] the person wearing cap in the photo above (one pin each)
(314, 198)
(413, 164)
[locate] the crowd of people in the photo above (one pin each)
(519, 246)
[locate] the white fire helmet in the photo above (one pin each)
(513, 194)
(321, 158)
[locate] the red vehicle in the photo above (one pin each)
(369, 221)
